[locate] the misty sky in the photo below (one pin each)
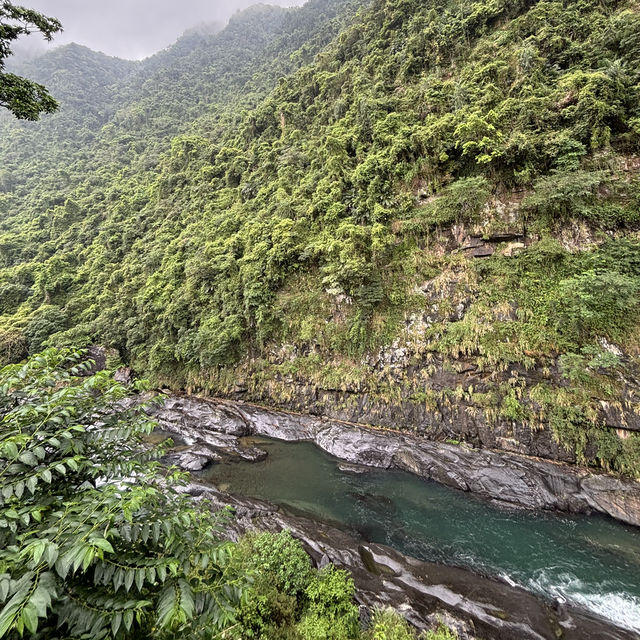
(134, 28)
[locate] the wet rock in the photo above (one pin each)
(509, 478)
(193, 458)
(348, 467)
(193, 417)
(375, 502)
(212, 433)
(424, 593)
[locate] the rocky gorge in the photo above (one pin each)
(425, 593)
(477, 606)
(214, 427)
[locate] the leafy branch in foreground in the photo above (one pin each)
(24, 98)
(96, 541)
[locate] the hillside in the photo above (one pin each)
(422, 215)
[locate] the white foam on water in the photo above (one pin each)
(621, 608)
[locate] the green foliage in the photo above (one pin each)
(330, 613)
(47, 320)
(289, 599)
(459, 202)
(441, 633)
(282, 559)
(95, 540)
(178, 246)
(600, 197)
(24, 98)
(387, 624)
(273, 196)
(592, 303)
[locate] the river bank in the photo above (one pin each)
(510, 478)
(223, 432)
(425, 593)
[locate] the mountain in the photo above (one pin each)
(414, 214)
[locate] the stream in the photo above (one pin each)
(589, 561)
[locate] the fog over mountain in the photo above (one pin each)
(132, 29)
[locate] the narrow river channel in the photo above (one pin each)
(589, 561)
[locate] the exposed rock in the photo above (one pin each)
(507, 477)
(123, 375)
(425, 593)
(611, 348)
(198, 418)
(193, 458)
(483, 252)
(443, 401)
(513, 248)
(347, 467)
(211, 431)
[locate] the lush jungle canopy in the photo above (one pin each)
(273, 200)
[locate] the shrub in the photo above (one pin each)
(281, 559)
(46, 321)
(459, 202)
(94, 541)
(331, 614)
(387, 624)
(289, 599)
(593, 303)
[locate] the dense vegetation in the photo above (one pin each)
(97, 541)
(259, 204)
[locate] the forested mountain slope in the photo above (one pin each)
(432, 223)
(121, 113)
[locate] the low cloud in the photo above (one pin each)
(134, 29)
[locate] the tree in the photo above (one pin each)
(96, 541)
(24, 98)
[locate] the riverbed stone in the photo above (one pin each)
(424, 593)
(513, 479)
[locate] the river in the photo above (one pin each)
(590, 561)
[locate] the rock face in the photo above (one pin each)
(210, 433)
(510, 478)
(425, 593)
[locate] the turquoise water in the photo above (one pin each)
(590, 561)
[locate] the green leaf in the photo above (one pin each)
(28, 458)
(11, 449)
(103, 544)
(4, 589)
(128, 619)
(19, 489)
(38, 550)
(88, 557)
(129, 577)
(51, 553)
(116, 621)
(118, 578)
(140, 576)
(30, 617)
(46, 476)
(32, 483)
